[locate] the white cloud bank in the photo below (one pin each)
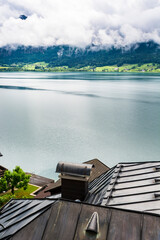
(79, 22)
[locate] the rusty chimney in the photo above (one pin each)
(74, 179)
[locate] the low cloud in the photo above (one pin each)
(79, 23)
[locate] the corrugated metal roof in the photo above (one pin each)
(134, 186)
(65, 220)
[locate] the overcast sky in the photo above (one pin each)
(79, 22)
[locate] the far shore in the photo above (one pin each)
(46, 67)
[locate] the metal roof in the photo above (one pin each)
(39, 180)
(18, 213)
(128, 196)
(98, 169)
(134, 186)
(70, 220)
(74, 169)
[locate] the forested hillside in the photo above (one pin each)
(76, 57)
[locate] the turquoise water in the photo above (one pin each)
(50, 117)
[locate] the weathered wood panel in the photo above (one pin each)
(151, 228)
(62, 222)
(86, 213)
(124, 226)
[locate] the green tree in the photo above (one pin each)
(15, 179)
(3, 184)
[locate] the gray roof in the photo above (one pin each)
(65, 220)
(18, 213)
(134, 186)
(39, 180)
(125, 201)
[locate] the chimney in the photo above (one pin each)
(74, 179)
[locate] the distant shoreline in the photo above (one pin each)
(45, 67)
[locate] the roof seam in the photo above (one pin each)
(111, 190)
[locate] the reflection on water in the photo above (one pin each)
(51, 117)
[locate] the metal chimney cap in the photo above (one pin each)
(74, 169)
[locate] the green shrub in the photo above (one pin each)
(4, 199)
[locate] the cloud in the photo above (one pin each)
(79, 23)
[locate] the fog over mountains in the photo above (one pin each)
(80, 23)
(82, 32)
(77, 57)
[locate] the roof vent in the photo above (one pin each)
(157, 180)
(157, 195)
(93, 224)
(157, 168)
(74, 178)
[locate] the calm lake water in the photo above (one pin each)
(50, 117)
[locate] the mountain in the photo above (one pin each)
(76, 57)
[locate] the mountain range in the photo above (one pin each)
(139, 53)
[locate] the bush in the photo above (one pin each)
(4, 199)
(3, 185)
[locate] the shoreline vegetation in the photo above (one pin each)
(45, 67)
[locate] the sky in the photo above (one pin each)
(79, 23)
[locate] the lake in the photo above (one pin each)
(50, 117)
